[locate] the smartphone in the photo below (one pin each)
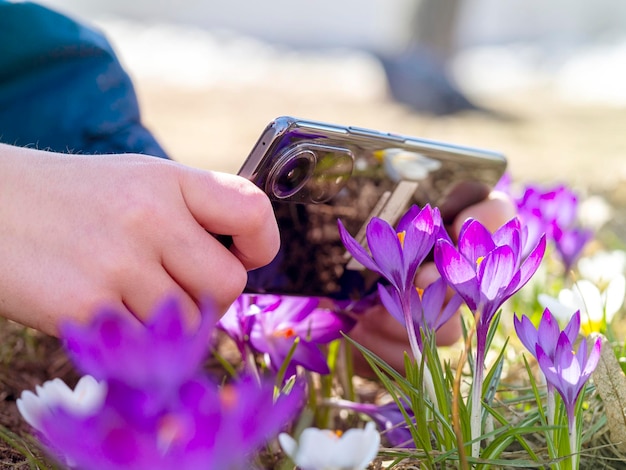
(316, 173)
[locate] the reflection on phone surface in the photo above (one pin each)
(316, 173)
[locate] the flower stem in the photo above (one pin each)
(550, 404)
(573, 438)
(417, 352)
(477, 390)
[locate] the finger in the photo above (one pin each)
(388, 341)
(377, 323)
(230, 205)
(450, 332)
(146, 290)
(493, 212)
(426, 275)
(203, 267)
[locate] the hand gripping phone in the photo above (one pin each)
(316, 173)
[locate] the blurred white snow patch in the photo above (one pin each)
(196, 58)
(595, 75)
(488, 70)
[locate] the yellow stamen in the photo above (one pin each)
(401, 236)
(420, 292)
(479, 260)
(336, 434)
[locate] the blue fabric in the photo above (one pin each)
(62, 88)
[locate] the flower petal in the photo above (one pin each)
(475, 241)
(458, 272)
(356, 250)
(384, 244)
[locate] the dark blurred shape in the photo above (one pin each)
(419, 79)
(418, 76)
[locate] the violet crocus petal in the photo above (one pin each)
(161, 353)
(593, 358)
(420, 235)
(277, 345)
(532, 262)
(391, 301)
(292, 308)
(434, 297)
(458, 272)
(407, 219)
(572, 329)
(570, 242)
(548, 332)
(322, 326)
(356, 250)
(452, 306)
(549, 370)
(384, 244)
(309, 356)
(526, 332)
(232, 422)
(475, 241)
(496, 272)
(509, 234)
(104, 441)
(568, 370)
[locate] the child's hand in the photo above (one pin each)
(80, 232)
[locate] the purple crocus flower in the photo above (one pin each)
(568, 373)
(273, 323)
(158, 355)
(396, 255)
(160, 409)
(202, 426)
(554, 212)
(429, 308)
(570, 243)
(569, 369)
(238, 320)
(486, 270)
(546, 334)
(555, 207)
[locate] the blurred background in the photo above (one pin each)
(542, 82)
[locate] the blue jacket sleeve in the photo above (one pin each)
(62, 87)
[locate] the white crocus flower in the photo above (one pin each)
(87, 397)
(603, 266)
(597, 308)
(322, 449)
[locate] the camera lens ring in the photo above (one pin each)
(291, 173)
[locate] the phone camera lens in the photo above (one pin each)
(292, 174)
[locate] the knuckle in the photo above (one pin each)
(258, 208)
(139, 210)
